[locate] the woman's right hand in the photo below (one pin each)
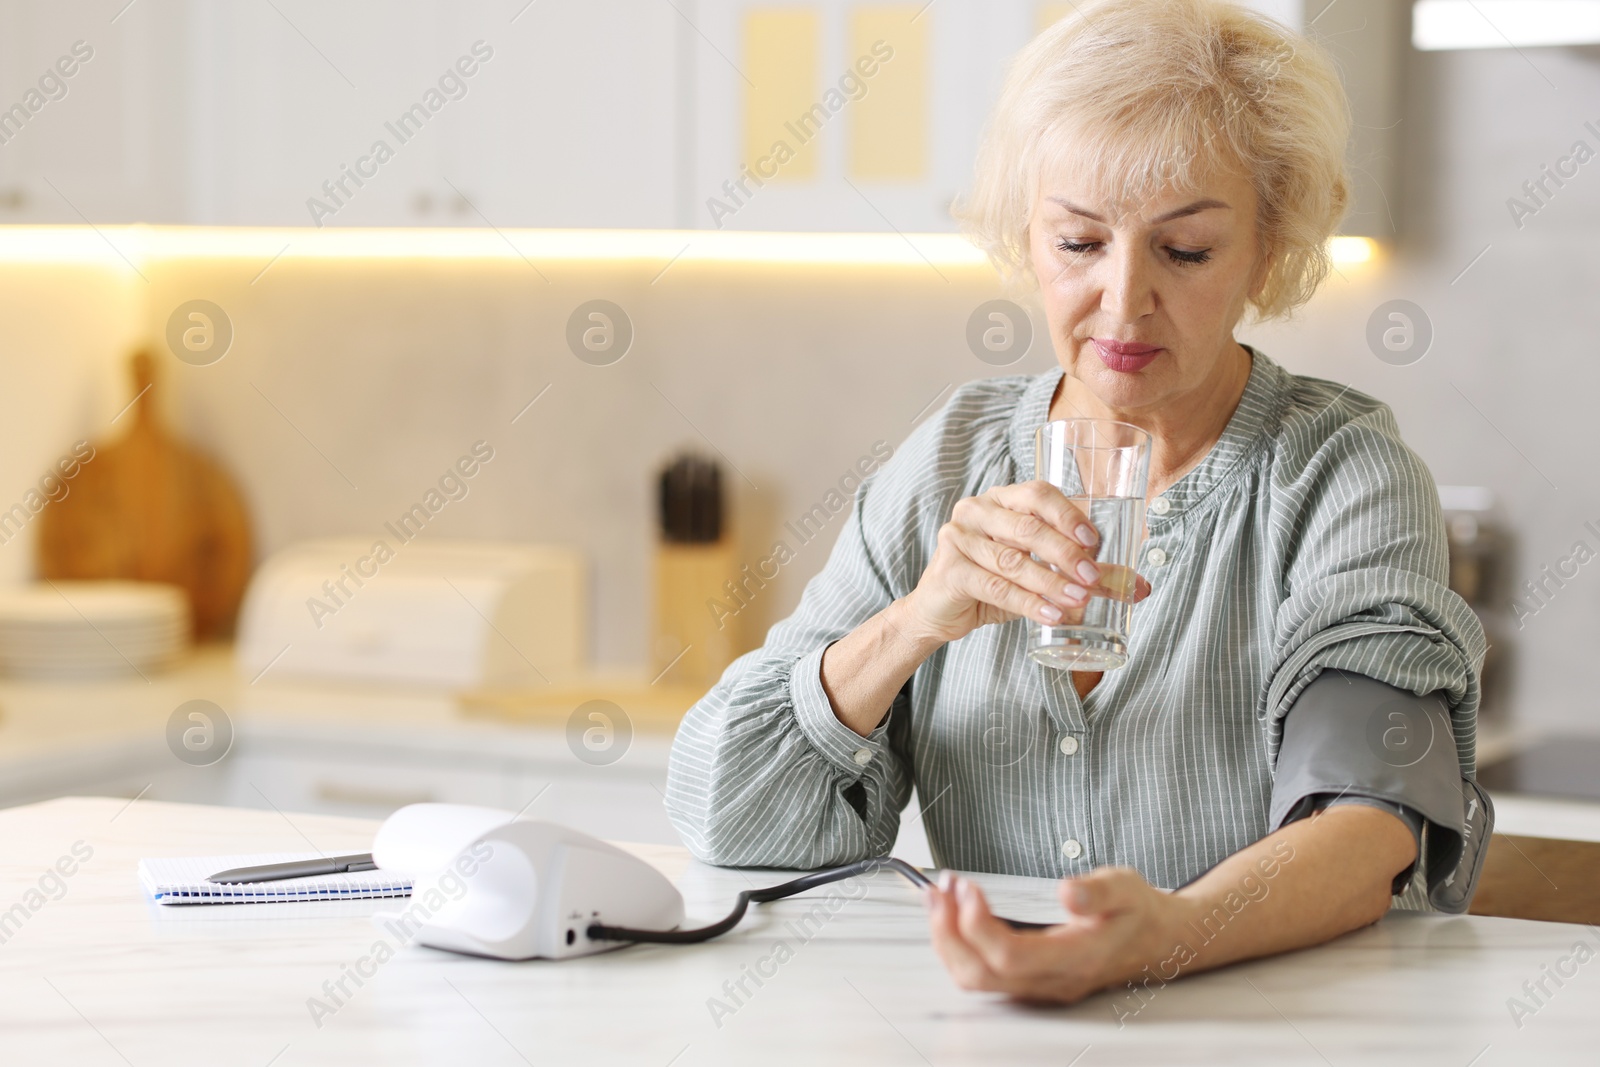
(983, 570)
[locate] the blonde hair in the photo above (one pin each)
(1147, 94)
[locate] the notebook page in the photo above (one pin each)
(182, 880)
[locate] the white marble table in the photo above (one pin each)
(102, 976)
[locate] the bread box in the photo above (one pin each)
(448, 614)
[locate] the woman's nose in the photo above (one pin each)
(1126, 291)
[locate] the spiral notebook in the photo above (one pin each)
(182, 880)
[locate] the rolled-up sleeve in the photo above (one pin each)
(762, 772)
(1365, 593)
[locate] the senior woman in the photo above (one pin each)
(1290, 745)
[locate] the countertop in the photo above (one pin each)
(50, 731)
(40, 718)
(95, 973)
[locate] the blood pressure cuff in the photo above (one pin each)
(1350, 739)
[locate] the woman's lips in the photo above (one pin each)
(1125, 356)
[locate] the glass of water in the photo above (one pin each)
(1104, 469)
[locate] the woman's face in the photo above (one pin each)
(1142, 299)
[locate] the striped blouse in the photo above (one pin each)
(1310, 537)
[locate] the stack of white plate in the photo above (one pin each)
(65, 630)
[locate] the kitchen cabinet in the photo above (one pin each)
(554, 115)
(350, 749)
(239, 113)
(576, 122)
(301, 768)
(359, 781)
(941, 65)
(106, 766)
(605, 113)
(306, 771)
(88, 127)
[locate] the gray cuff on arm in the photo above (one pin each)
(1350, 738)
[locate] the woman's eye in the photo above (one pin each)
(1075, 246)
(1179, 255)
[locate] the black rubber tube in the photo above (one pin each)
(602, 932)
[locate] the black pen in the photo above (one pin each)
(272, 872)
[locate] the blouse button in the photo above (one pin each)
(1160, 506)
(1069, 744)
(1071, 849)
(1156, 557)
(862, 757)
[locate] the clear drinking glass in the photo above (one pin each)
(1104, 469)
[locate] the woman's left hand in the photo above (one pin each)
(1117, 925)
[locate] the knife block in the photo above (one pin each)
(690, 585)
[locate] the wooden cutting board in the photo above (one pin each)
(149, 508)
